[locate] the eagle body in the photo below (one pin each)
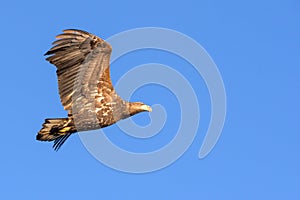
(85, 88)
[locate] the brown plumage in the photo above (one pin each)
(85, 87)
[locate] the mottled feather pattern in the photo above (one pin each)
(69, 56)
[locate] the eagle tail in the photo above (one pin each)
(57, 129)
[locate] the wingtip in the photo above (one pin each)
(74, 31)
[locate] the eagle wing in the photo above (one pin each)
(82, 60)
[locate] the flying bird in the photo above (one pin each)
(85, 88)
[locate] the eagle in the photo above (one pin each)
(82, 61)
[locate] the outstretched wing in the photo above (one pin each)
(82, 60)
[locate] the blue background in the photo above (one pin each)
(255, 45)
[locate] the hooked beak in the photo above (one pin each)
(146, 108)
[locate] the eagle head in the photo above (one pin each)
(137, 107)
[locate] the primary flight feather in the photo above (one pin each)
(85, 88)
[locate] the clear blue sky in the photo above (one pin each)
(256, 47)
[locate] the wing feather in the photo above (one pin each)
(76, 31)
(70, 35)
(63, 41)
(81, 58)
(63, 46)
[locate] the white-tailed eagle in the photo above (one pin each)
(85, 88)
